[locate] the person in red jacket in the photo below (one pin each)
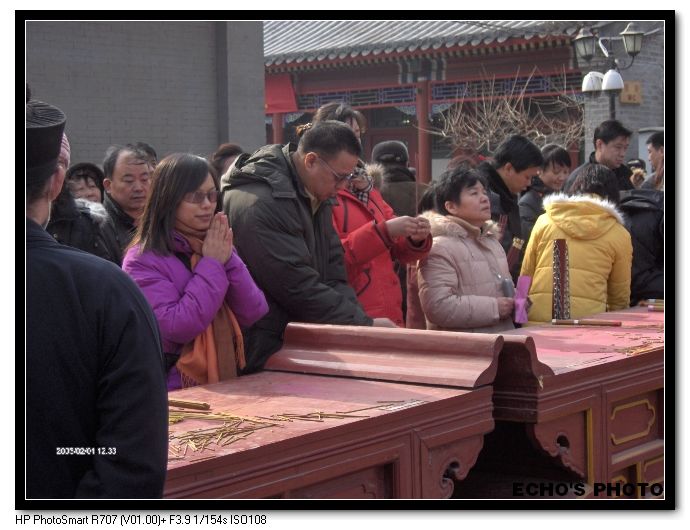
(371, 234)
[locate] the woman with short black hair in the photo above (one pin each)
(461, 280)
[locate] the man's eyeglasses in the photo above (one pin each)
(197, 197)
(338, 177)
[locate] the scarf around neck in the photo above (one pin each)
(217, 352)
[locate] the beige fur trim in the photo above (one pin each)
(375, 171)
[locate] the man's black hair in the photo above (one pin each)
(520, 152)
(609, 130)
(328, 138)
(656, 139)
(113, 152)
(146, 148)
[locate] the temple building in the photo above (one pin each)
(407, 76)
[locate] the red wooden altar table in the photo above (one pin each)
(428, 407)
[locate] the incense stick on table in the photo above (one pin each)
(585, 322)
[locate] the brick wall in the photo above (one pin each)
(122, 82)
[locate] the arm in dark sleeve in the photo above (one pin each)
(244, 297)
(528, 216)
(131, 399)
(273, 246)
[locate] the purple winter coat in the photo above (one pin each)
(185, 302)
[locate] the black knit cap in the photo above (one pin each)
(391, 151)
(44, 127)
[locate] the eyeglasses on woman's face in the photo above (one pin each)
(197, 197)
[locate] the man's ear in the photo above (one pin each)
(598, 143)
(106, 184)
(310, 159)
(57, 179)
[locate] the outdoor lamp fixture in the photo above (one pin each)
(594, 82)
(632, 39)
(585, 44)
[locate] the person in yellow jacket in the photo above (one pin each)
(599, 248)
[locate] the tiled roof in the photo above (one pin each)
(296, 41)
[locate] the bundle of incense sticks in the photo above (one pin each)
(655, 308)
(196, 405)
(585, 322)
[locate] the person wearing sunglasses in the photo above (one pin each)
(279, 202)
(183, 259)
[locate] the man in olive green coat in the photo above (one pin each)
(278, 201)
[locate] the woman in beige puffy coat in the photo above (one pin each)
(460, 280)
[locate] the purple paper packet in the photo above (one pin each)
(521, 292)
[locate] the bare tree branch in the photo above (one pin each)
(480, 124)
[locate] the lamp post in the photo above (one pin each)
(594, 83)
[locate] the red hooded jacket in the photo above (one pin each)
(370, 251)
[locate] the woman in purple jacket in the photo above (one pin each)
(183, 260)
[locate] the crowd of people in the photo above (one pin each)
(191, 268)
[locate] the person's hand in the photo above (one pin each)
(384, 322)
(218, 240)
(416, 228)
(505, 307)
(422, 231)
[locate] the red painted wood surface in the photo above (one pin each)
(465, 360)
(405, 449)
(599, 413)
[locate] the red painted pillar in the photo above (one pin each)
(423, 137)
(278, 133)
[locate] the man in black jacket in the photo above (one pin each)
(515, 162)
(127, 171)
(96, 401)
(655, 150)
(611, 141)
(644, 219)
(278, 201)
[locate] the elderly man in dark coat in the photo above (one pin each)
(279, 204)
(96, 403)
